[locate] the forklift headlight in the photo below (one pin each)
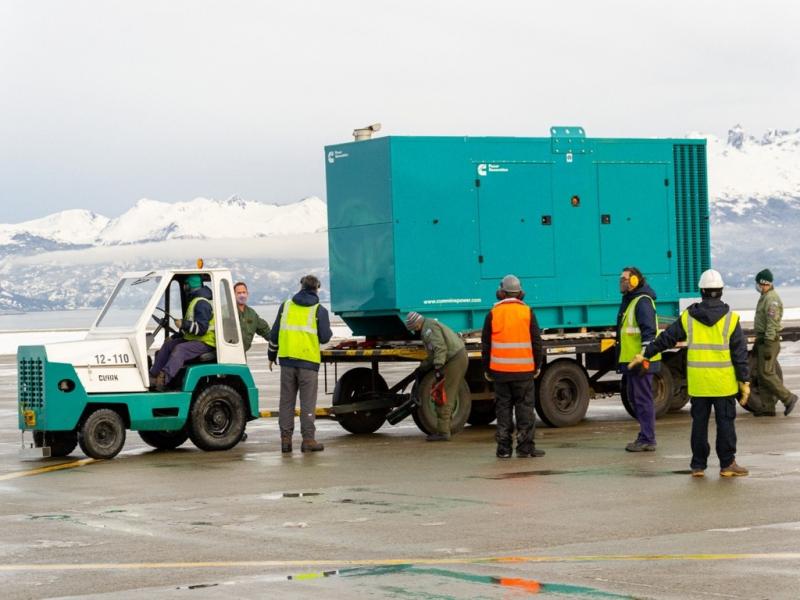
(66, 385)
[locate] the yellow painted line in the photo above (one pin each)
(394, 561)
(40, 470)
(320, 412)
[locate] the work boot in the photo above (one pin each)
(159, 383)
(698, 472)
(311, 446)
(286, 444)
(733, 470)
(244, 437)
(638, 446)
(437, 437)
(790, 405)
(532, 454)
(503, 452)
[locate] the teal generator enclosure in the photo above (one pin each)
(432, 224)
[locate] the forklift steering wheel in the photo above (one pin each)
(164, 323)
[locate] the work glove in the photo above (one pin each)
(438, 374)
(744, 392)
(639, 361)
(178, 323)
(272, 362)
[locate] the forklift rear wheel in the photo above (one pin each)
(217, 419)
(164, 440)
(350, 386)
(562, 397)
(61, 443)
(425, 414)
(102, 434)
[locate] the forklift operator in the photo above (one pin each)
(195, 336)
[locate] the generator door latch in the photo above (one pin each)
(480, 258)
(547, 220)
(605, 219)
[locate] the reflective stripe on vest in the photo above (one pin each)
(512, 351)
(297, 333)
(630, 336)
(709, 369)
(209, 337)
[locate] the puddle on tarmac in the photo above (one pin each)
(521, 474)
(50, 517)
(363, 502)
(300, 494)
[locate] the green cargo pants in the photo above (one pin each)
(770, 386)
(454, 371)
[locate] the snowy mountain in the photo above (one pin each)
(71, 259)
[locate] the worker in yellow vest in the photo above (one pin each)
(716, 370)
(302, 324)
(511, 352)
(636, 327)
(195, 337)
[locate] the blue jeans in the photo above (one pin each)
(724, 414)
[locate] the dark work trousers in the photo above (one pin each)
(175, 353)
(516, 396)
(304, 381)
(640, 396)
(725, 415)
(770, 387)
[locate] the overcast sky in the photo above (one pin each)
(105, 102)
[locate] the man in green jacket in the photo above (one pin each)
(767, 325)
(249, 320)
(447, 356)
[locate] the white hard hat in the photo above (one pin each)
(711, 280)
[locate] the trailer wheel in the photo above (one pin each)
(425, 414)
(164, 440)
(61, 443)
(663, 388)
(217, 418)
(482, 413)
(676, 362)
(102, 434)
(351, 385)
(754, 404)
(562, 397)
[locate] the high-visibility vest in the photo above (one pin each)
(709, 369)
(209, 337)
(630, 336)
(512, 350)
(297, 336)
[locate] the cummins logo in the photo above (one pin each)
(333, 155)
(484, 168)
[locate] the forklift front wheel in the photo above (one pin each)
(102, 434)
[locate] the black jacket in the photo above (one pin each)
(645, 318)
(324, 333)
(486, 350)
(708, 312)
(203, 311)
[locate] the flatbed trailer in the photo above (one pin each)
(580, 366)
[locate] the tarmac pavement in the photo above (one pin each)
(391, 516)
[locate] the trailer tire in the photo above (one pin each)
(217, 418)
(102, 434)
(562, 397)
(663, 391)
(482, 413)
(676, 362)
(754, 404)
(164, 440)
(61, 443)
(425, 414)
(351, 384)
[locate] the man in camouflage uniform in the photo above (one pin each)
(447, 356)
(767, 325)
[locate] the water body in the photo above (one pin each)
(739, 299)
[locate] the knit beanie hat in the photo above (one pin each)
(764, 276)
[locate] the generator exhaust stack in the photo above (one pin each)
(365, 133)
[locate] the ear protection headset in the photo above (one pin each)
(636, 278)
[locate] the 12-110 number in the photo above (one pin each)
(112, 359)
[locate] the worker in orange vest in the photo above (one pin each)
(511, 348)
